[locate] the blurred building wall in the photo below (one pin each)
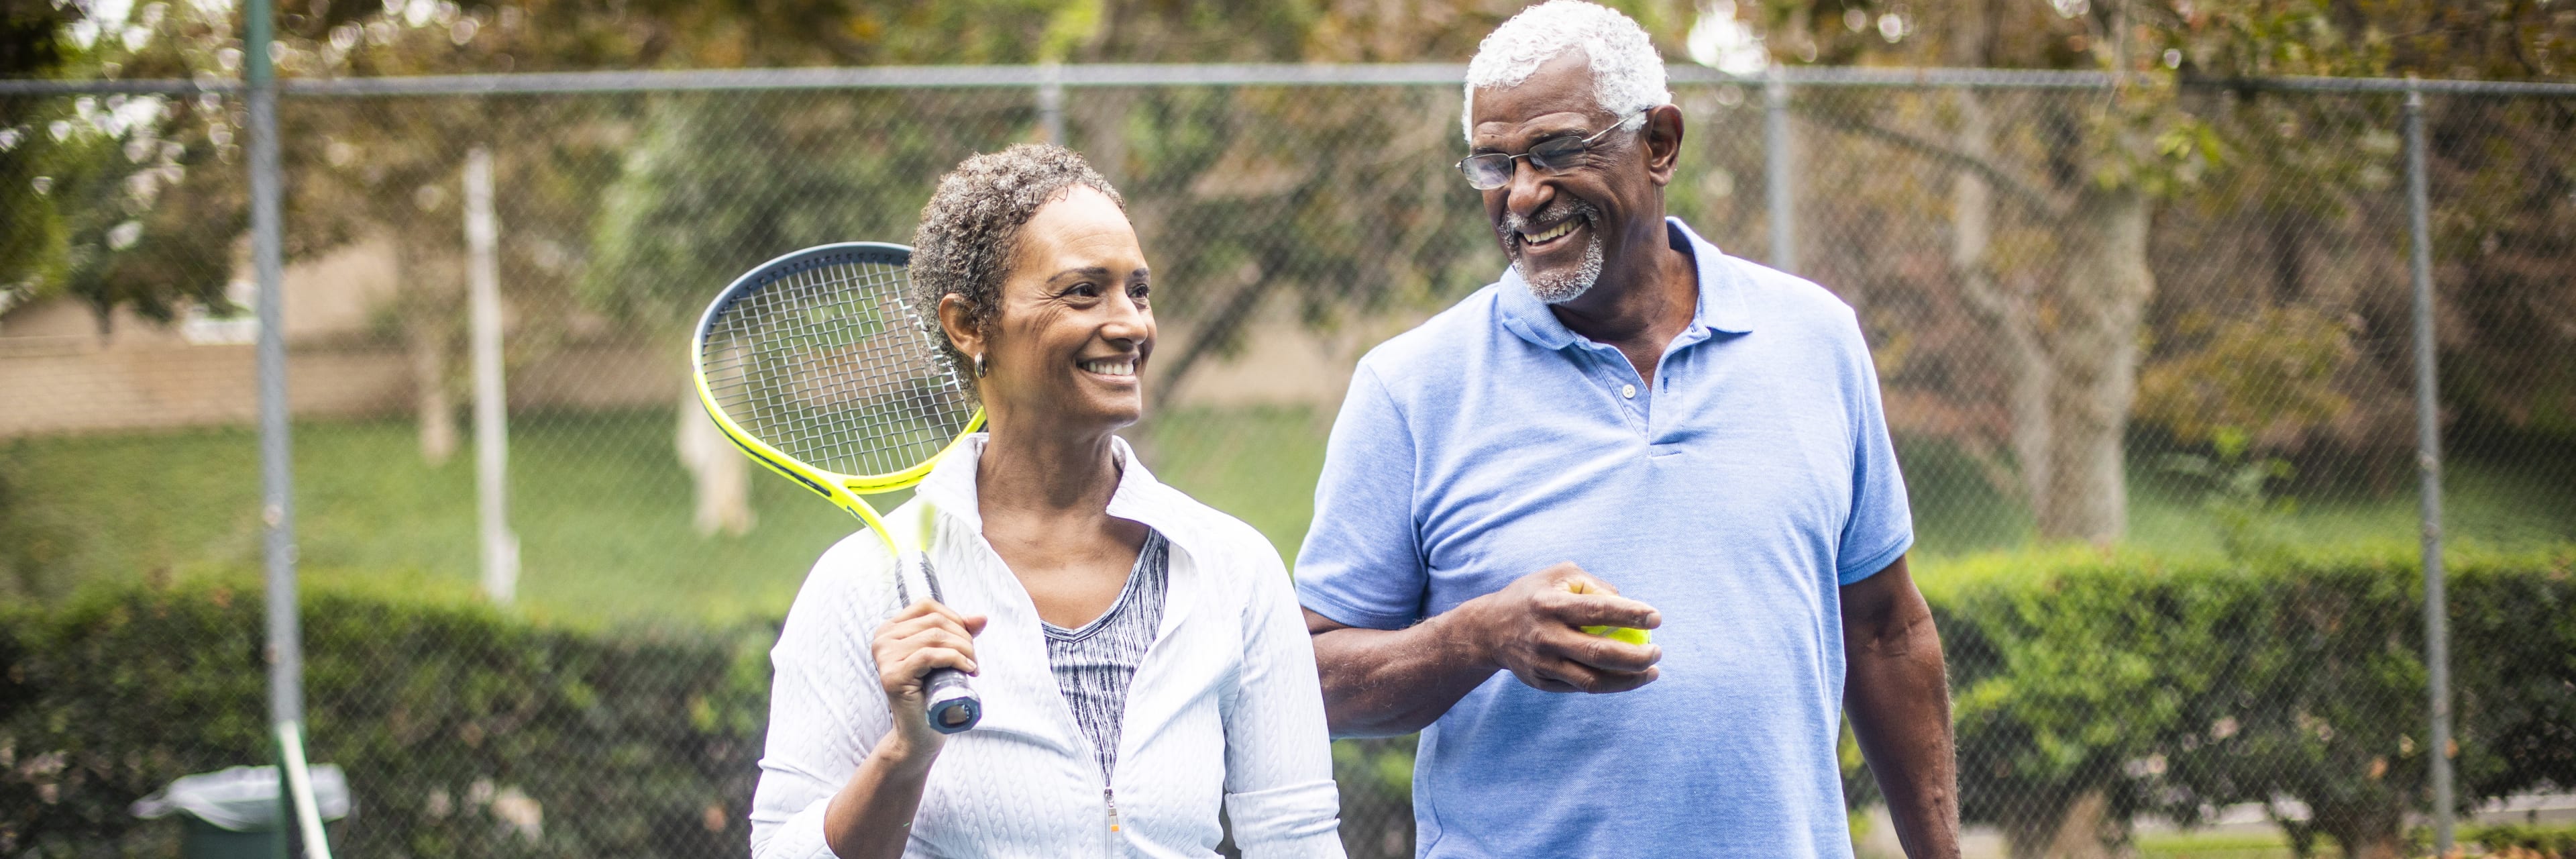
(59, 373)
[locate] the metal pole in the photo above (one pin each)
(277, 490)
(1051, 102)
(277, 486)
(491, 427)
(1777, 162)
(2428, 465)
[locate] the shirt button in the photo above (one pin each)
(1628, 391)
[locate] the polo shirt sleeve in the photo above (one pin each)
(1881, 526)
(1361, 565)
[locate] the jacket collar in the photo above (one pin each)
(950, 487)
(1720, 306)
(1016, 666)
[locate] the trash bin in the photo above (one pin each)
(233, 814)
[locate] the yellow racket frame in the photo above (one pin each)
(844, 490)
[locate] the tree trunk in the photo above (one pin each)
(2010, 311)
(1219, 331)
(2090, 328)
(2365, 832)
(722, 474)
(2080, 827)
(423, 305)
(436, 410)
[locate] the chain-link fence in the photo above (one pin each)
(2174, 320)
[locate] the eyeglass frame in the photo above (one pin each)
(1581, 146)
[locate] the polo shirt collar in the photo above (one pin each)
(1720, 308)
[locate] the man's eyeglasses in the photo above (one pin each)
(1554, 156)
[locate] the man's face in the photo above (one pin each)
(1562, 230)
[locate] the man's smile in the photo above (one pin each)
(1548, 237)
(1548, 228)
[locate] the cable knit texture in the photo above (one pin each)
(1225, 708)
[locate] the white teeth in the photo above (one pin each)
(1111, 368)
(1551, 234)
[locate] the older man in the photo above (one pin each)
(1630, 429)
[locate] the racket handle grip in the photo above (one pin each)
(954, 706)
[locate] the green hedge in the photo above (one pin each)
(2140, 686)
(630, 744)
(2537, 842)
(2137, 684)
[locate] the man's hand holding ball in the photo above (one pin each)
(1563, 630)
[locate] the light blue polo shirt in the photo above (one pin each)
(1736, 495)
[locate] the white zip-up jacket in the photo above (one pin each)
(1225, 707)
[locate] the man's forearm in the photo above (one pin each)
(1385, 683)
(1899, 704)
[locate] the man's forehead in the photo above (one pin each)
(1564, 120)
(1562, 85)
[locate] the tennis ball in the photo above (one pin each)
(1614, 633)
(1619, 633)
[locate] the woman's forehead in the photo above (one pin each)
(1083, 223)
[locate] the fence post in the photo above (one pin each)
(1777, 157)
(276, 477)
(1051, 101)
(2428, 467)
(491, 428)
(277, 501)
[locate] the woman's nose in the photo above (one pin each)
(1127, 320)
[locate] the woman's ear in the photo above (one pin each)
(958, 319)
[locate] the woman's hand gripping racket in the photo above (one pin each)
(819, 368)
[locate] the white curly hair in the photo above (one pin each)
(1627, 73)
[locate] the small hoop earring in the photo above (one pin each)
(980, 369)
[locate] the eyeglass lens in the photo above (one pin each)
(1494, 169)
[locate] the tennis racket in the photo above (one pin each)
(817, 365)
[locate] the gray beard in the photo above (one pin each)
(1568, 286)
(1557, 288)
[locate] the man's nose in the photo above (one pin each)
(1529, 190)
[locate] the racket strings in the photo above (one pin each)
(830, 365)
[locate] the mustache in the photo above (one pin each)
(1564, 207)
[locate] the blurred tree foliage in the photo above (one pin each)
(119, 201)
(2302, 354)
(2155, 243)
(636, 205)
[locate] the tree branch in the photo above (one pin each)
(2022, 190)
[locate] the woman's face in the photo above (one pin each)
(1074, 329)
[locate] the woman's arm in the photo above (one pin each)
(871, 817)
(829, 717)
(1279, 761)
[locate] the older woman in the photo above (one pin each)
(1148, 659)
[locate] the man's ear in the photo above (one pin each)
(1663, 143)
(957, 318)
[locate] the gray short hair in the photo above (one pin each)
(971, 228)
(1627, 73)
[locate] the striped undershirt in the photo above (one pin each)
(1095, 664)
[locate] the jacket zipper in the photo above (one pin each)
(1109, 845)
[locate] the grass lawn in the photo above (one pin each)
(2221, 845)
(602, 509)
(599, 502)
